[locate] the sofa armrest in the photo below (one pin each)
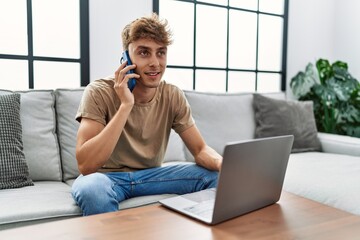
(340, 144)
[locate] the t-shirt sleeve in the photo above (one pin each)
(91, 106)
(183, 118)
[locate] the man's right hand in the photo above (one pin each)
(121, 83)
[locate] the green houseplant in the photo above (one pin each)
(335, 94)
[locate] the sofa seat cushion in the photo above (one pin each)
(143, 200)
(328, 178)
(45, 200)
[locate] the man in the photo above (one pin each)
(123, 135)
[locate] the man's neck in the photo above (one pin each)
(144, 95)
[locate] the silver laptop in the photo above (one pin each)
(251, 178)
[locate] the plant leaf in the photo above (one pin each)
(343, 74)
(303, 81)
(339, 88)
(353, 131)
(340, 64)
(326, 94)
(343, 84)
(348, 113)
(325, 70)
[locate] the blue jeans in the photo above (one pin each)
(101, 192)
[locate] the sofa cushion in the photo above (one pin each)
(39, 135)
(41, 149)
(175, 148)
(45, 200)
(223, 117)
(276, 117)
(67, 103)
(14, 171)
(331, 179)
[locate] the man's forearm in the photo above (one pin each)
(209, 158)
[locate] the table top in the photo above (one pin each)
(293, 217)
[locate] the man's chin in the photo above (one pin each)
(153, 85)
(150, 84)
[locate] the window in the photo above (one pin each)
(226, 45)
(44, 44)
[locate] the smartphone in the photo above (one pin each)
(132, 81)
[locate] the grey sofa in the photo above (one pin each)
(49, 132)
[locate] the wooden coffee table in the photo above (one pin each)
(292, 217)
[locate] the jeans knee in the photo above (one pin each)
(208, 177)
(87, 185)
(212, 179)
(94, 194)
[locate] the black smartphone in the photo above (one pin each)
(132, 81)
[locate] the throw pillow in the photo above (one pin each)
(276, 117)
(14, 172)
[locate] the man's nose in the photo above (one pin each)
(154, 61)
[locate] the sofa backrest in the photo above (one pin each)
(50, 129)
(223, 117)
(67, 103)
(41, 148)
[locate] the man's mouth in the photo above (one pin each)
(152, 74)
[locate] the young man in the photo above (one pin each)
(123, 135)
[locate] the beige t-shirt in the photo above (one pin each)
(143, 142)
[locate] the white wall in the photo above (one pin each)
(347, 34)
(323, 29)
(310, 34)
(107, 19)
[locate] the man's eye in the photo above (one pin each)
(161, 53)
(144, 53)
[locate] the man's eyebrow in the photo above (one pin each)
(162, 48)
(143, 47)
(148, 48)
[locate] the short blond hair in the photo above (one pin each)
(151, 27)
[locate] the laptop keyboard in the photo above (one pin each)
(203, 209)
(205, 201)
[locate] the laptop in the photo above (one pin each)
(251, 178)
